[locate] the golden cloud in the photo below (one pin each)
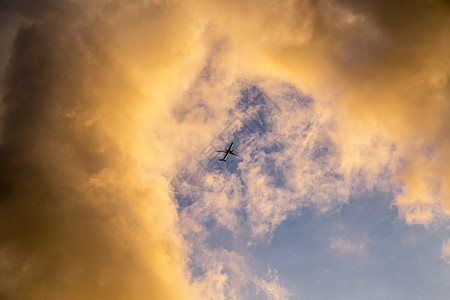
(100, 96)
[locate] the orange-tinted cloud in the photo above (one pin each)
(79, 219)
(100, 96)
(385, 65)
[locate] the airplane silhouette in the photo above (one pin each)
(227, 152)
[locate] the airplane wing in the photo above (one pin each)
(232, 152)
(224, 151)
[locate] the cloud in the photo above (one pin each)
(446, 251)
(271, 286)
(283, 165)
(391, 81)
(385, 67)
(225, 274)
(79, 217)
(364, 72)
(349, 246)
(105, 100)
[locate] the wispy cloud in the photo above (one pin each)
(446, 251)
(349, 246)
(271, 286)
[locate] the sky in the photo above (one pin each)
(112, 111)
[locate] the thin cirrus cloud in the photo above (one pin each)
(446, 251)
(349, 246)
(103, 101)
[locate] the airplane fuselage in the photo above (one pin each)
(225, 157)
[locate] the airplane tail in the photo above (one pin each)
(223, 160)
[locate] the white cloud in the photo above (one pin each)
(446, 251)
(271, 286)
(225, 274)
(352, 245)
(289, 161)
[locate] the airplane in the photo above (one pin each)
(227, 151)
